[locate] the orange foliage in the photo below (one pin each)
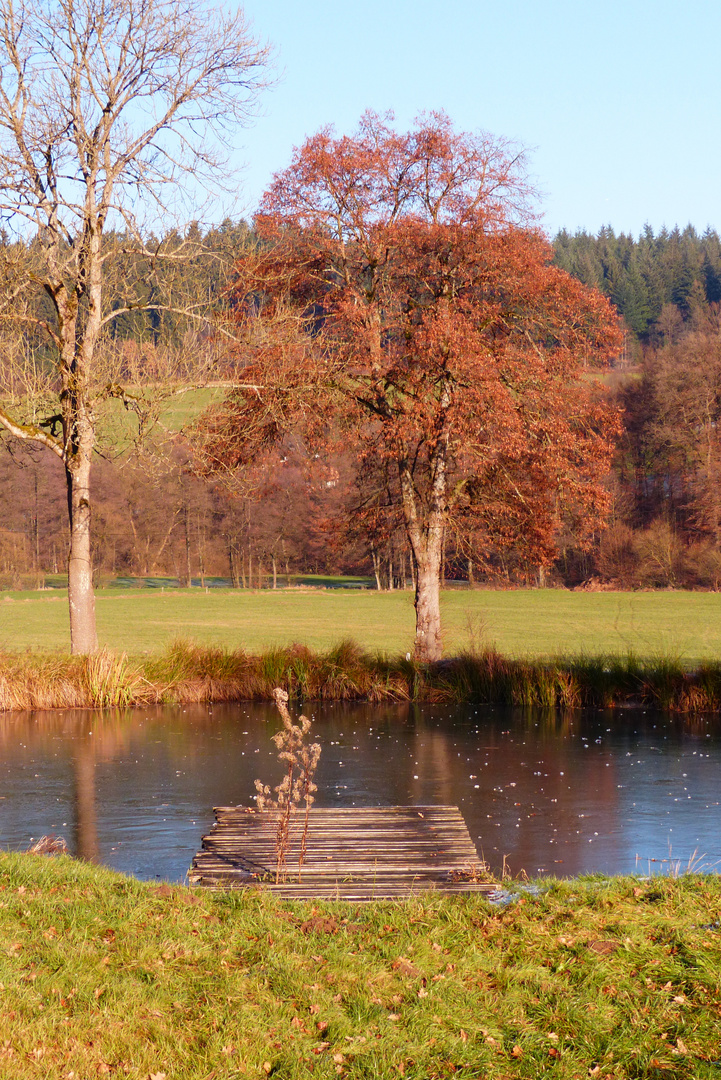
(401, 296)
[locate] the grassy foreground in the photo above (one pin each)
(186, 672)
(528, 623)
(103, 975)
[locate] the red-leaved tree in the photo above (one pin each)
(401, 299)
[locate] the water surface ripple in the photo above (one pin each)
(553, 793)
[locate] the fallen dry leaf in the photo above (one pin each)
(162, 891)
(405, 968)
(516, 1052)
(319, 925)
(604, 948)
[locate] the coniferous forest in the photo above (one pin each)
(156, 514)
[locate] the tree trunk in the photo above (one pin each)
(376, 569)
(233, 560)
(425, 525)
(36, 525)
(428, 643)
(201, 552)
(275, 573)
(83, 637)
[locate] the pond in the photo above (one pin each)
(559, 794)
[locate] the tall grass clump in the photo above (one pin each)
(187, 672)
(113, 683)
(34, 681)
(185, 662)
(574, 682)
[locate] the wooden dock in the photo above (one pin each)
(358, 853)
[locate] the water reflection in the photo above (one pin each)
(86, 825)
(564, 794)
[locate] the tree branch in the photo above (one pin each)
(32, 433)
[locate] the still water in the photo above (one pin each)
(561, 794)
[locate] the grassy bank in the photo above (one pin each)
(523, 623)
(103, 975)
(187, 672)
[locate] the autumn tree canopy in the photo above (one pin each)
(402, 298)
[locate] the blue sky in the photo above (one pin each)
(618, 102)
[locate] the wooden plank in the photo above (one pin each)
(354, 853)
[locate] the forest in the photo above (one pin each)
(157, 511)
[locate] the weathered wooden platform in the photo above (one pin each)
(358, 853)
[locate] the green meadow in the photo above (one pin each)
(528, 623)
(101, 975)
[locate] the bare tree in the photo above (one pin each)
(109, 110)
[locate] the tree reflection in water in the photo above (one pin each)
(86, 822)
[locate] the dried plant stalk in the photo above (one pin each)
(296, 786)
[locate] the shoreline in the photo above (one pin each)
(188, 673)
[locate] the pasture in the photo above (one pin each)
(527, 623)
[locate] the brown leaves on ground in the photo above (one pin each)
(604, 947)
(405, 968)
(319, 924)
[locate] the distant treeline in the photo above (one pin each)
(159, 517)
(647, 277)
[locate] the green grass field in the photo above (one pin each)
(101, 975)
(520, 623)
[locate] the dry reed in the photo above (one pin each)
(189, 673)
